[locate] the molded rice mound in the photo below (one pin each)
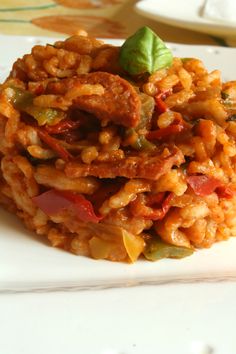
(114, 166)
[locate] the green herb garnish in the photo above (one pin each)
(144, 52)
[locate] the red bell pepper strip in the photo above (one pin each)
(83, 207)
(148, 212)
(160, 105)
(164, 132)
(176, 127)
(166, 204)
(203, 185)
(159, 214)
(225, 192)
(53, 202)
(54, 144)
(63, 126)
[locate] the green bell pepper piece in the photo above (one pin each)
(157, 249)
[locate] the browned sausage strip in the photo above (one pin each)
(120, 102)
(131, 167)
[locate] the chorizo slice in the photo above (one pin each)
(152, 167)
(120, 103)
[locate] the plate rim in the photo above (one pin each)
(203, 25)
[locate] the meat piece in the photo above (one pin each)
(120, 102)
(149, 167)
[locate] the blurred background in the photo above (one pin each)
(100, 18)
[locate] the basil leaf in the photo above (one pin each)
(144, 52)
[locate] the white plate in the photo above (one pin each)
(185, 14)
(27, 262)
(179, 319)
